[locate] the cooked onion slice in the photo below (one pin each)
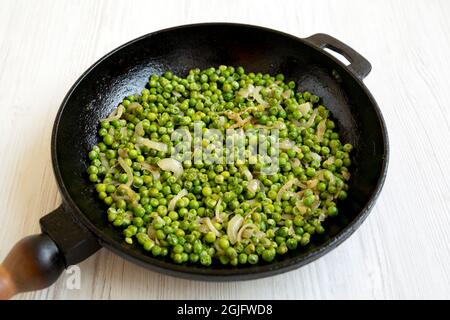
(152, 169)
(253, 92)
(247, 174)
(104, 162)
(173, 202)
(286, 187)
(173, 165)
(315, 156)
(346, 175)
(295, 162)
(217, 211)
(252, 185)
(301, 207)
(329, 161)
(133, 106)
(258, 97)
(127, 170)
(116, 114)
(304, 108)
(151, 232)
(286, 94)
(286, 144)
(211, 226)
(321, 127)
(131, 195)
(311, 184)
(159, 146)
(241, 123)
(139, 129)
(243, 228)
(233, 228)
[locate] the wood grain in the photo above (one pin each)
(401, 251)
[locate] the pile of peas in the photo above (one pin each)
(318, 163)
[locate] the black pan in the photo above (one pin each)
(79, 226)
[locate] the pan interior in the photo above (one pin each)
(126, 71)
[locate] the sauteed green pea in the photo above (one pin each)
(221, 166)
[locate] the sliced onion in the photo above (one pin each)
(252, 185)
(346, 175)
(293, 194)
(243, 228)
(247, 174)
(301, 207)
(260, 235)
(127, 170)
(295, 162)
(233, 227)
(332, 178)
(139, 129)
(279, 125)
(321, 127)
(287, 216)
(258, 97)
(315, 156)
(222, 121)
(241, 123)
(286, 144)
(211, 226)
(218, 248)
(286, 187)
(286, 94)
(236, 116)
(297, 149)
(253, 92)
(311, 184)
(173, 165)
(249, 213)
(329, 161)
(291, 231)
(244, 93)
(122, 153)
(124, 131)
(104, 162)
(217, 210)
(304, 108)
(152, 169)
(174, 200)
(310, 121)
(316, 204)
(131, 195)
(151, 232)
(203, 228)
(159, 146)
(116, 114)
(133, 106)
(247, 233)
(251, 202)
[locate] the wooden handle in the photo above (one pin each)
(33, 263)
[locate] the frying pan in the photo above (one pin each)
(78, 228)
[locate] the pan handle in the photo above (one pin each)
(358, 64)
(34, 263)
(37, 261)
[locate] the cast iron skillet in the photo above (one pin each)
(79, 226)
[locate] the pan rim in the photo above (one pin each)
(202, 273)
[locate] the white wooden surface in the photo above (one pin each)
(403, 248)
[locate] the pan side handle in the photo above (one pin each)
(359, 65)
(37, 261)
(34, 263)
